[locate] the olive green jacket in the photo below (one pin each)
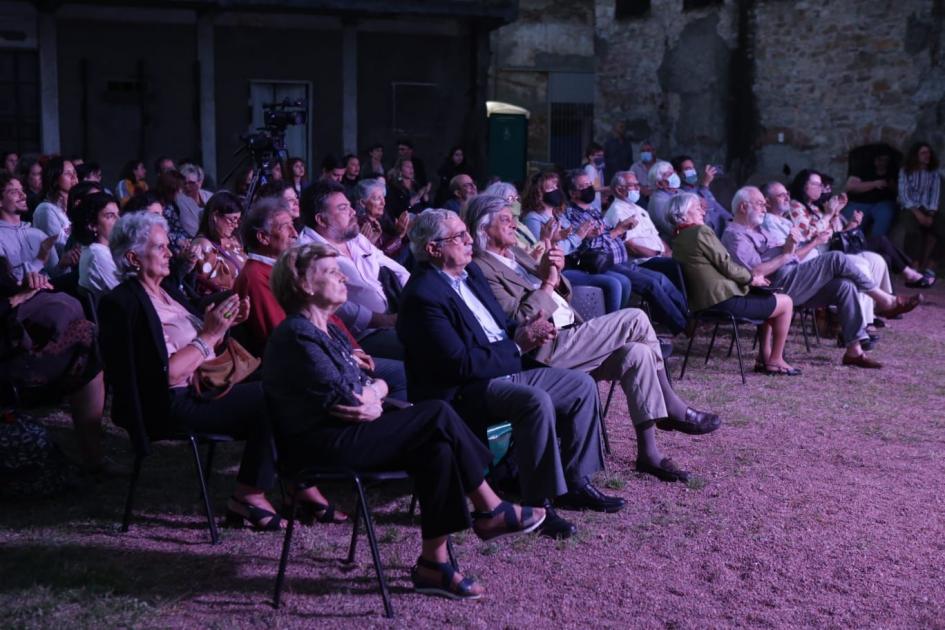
(711, 274)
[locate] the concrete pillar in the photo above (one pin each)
(349, 88)
(208, 102)
(48, 84)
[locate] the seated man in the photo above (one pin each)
(642, 240)
(462, 188)
(617, 346)
(330, 220)
(827, 279)
(666, 301)
(664, 184)
(461, 348)
(777, 222)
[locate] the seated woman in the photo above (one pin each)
(386, 234)
(92, 220)
(327, 411)
(220, 255)
(714, 280)
(48, 351)
(815, 216)
(153, 347)
(132, 180)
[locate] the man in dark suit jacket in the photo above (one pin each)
(461, 347)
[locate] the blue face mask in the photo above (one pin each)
(690, 174)
(646, 156)
(599, 162)
(673, 181)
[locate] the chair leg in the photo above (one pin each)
(731, 344)
(804, 314)
(813, 319)
(208, 466)
(450, 553)
(352, 548)
(284, 557)
(738, 350)
(711, 342)
(610, 397)
(375, 552)
(413, 505)
(126, 519)
(211, 522)
(685, 361)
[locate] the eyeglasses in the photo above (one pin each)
(815, 184)
(232, 219)
(758, 203)
(457, 239)
(513, 199)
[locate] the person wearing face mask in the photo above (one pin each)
(641, 168)
(667, 305)
(717, 216)
(642, 240)
(594, 169)
(664, 184)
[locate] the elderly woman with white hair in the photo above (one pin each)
(715, 281)
(385, 233)
(327, 410)
(153, 347)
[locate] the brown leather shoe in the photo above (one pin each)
(903, 305)
(862, 361)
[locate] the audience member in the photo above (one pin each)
(594, 168)
(30, 172)
(296, 175)
(369, 313)
(153, 348)
(9, 161)
(332, 169)
(716, 216)
(620, 346)
(374, 161)
(192, 199)
(667, 305)
(352, 173)
(50, 215)
(89, 172)
(828, 279)
(453, 164)
(220, 255)
(641, 168)
(376, 226)
(146, 201)
(714, 281)
(462, 188)
(664, 185)
(27, 250)
(919, 187)
(131, 180)
(462, 348)
(403, 191)
(169, 185)
(871, 187)
(92, 221)
(405, 152)
(328, 410)
(526, 240)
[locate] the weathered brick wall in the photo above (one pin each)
(549, 36)
(827, 74)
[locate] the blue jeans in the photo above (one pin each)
(616, 287)
(667, 305)
(877, 217)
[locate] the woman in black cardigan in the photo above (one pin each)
(327, 410)
(152, 346)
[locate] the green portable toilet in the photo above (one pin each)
(508, 141)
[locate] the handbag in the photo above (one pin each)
(215, 377)
(849, 242)
(593, 260)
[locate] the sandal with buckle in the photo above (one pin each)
(260, 519)
(444, 587)
(309, 512)
(512, 525)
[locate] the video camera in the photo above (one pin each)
(266, 145)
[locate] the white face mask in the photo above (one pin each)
(673, 181)
(633, 196)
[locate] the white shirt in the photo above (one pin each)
(97, 271)
(52, 220)
(365, 293)
(494, 332)
(644, 232)
(563, 315)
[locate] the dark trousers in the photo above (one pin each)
(428, 440)
(240, 414)
(895, 258)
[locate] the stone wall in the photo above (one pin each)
(549, 36)
(823, 76)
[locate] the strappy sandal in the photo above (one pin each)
(309, 512)
(922, 283)
(777, 370)
(512, 525)
(260, 520)
(444, 587)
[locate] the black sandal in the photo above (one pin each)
(309, 512)
(445, 587)
(260, 520)
(922, 283)
(513, 525)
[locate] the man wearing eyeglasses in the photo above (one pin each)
(828, 279)
(461, 347)
(462, 189)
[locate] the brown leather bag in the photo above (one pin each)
(215, 377)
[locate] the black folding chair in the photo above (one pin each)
(589, 303)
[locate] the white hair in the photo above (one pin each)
(657, 172)
(678, 207)
(131, 234)
(427, 227)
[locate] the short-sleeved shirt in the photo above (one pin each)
(604, 242)
(644, 232)
(752, 246)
